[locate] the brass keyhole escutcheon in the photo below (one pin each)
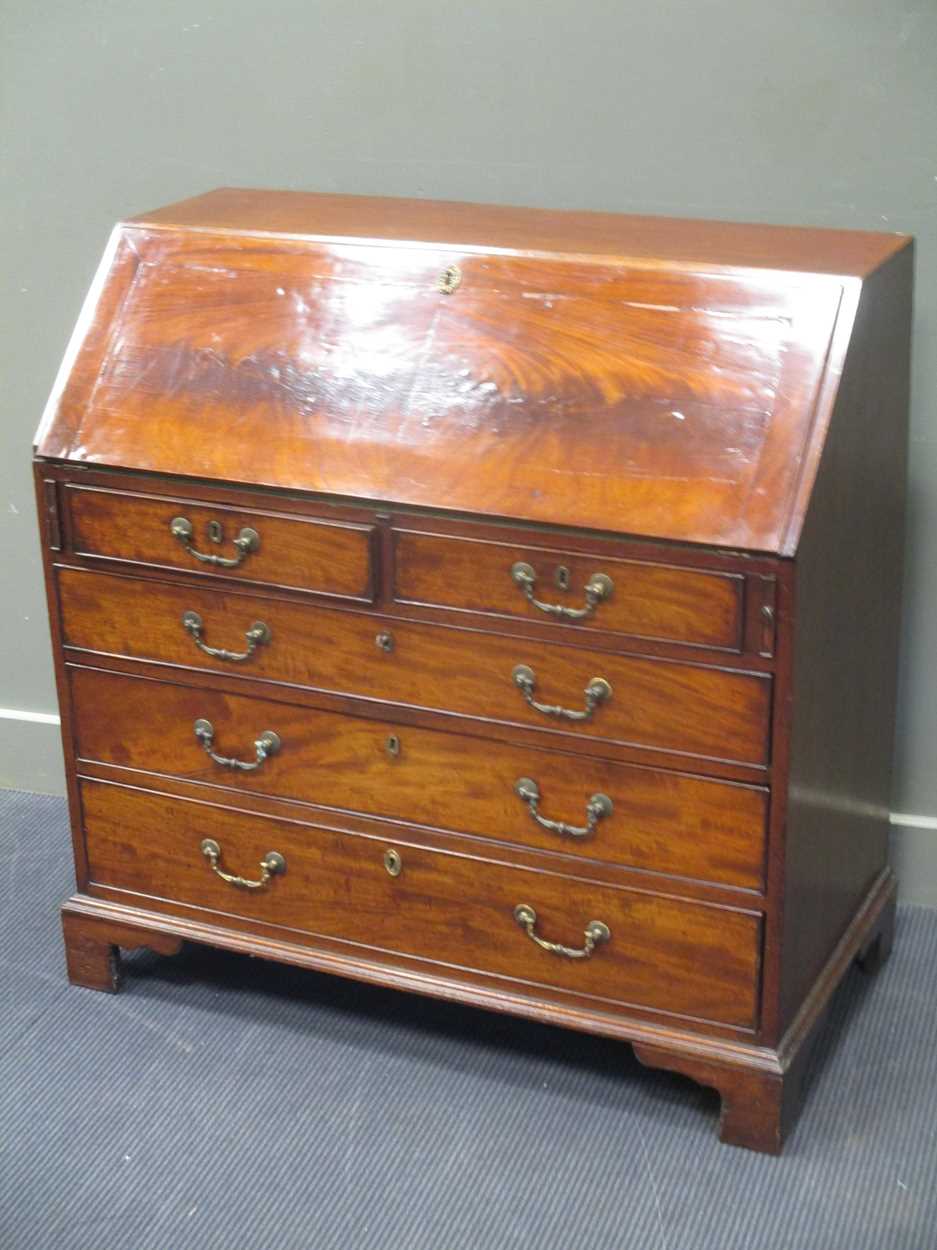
(392, 746)
(562, 577)
(215, 532)
(449, 280)
(393, 863)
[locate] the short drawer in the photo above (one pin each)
(211, 540)
(646, 818)
(689, 709)
(453, 910)
(638, 598)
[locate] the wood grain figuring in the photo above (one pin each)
(294, 551)
(648, 600)
(672, 403)
(685, 709)
(755, 1115)
(662, 822)
(446, 908)
(714, 416)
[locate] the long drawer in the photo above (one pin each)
(711, 713)
(648, 818)
(450, 909)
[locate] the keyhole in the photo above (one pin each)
(393, 746)
(449, 280)
(392, 862)
(215, 532)
(562, 577)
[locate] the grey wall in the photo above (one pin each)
(806, 111)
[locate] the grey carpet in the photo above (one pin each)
(219, 1102)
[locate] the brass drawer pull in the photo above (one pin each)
(266, 745)
(598, 691)
(599, 587)
(271, 864)
(257, 634)
(599, 806)
(247, 541)
(595, 933)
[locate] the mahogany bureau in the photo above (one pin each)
(496, 604)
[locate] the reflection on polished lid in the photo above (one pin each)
(630, 393)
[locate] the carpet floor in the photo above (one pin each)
(220, 1103)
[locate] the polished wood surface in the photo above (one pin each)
(647, 600)
(662, 400)
(447, 908)
(848, 623)
(687, 710)
(293, 551)
(404, 400)
(760, 1087)
(662, 822)
(760, 1102)
(668, 240)
(93, 954)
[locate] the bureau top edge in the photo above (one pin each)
(325, 217)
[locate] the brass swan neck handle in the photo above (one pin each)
(257, 635)
(596, 932)
(248, 540)
(598, 691)
(598, 807)
(272, 864)
(598, 588)
(265, 745)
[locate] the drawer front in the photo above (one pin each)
(705, 712)
(295, 552)
(665, 954)
(659, 821)
(653, 601)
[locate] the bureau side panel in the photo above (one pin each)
(52, 540)
(848, 582)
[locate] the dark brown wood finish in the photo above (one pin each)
(395, 714)
(428, 778)
(92, 949)
(671, 240)
(713, 416)
(442, 907)
(760, 1103)
(294, 552)
(646, 601)
(658, 399)
(450, 670)
(847, 622)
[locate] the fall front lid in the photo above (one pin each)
(585, 380)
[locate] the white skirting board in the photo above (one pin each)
(31, 759)
(914, 856)
(31, 752)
